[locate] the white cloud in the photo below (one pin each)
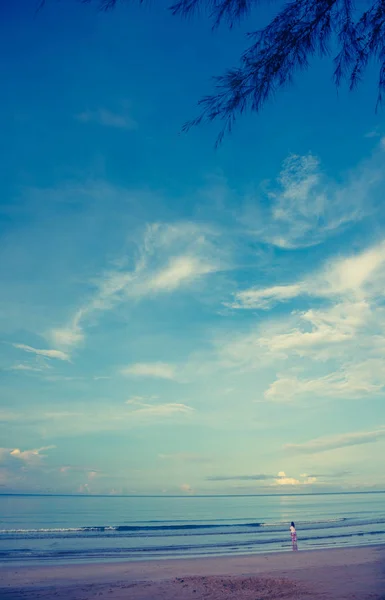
(347, 328)
(356, 274)
(349, 291)
(146, 406)
(141, 400)
(283, 479)
(101, 417)
(333, 442)
(67, 336)
(156, 369)
(256, 477)
(306, 207)
(64, 414)
(351, 381)
(267, 480)
(91, 473)
(319, 333)
(353, 278)
(30, 457)
(22, 367)
(163, 410)
(58, 354)
(108, 119)
(315, 331)
(170, 257)
(265, 297)
(179, 271)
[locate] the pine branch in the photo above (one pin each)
(231, 10)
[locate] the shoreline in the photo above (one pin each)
(338, 572)
(75, 563)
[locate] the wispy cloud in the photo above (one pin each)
(354, 277)
(258, 477)
(170, 257)
(280, 479)
(347, 291)
(179, 270)
(330, 475)
(108, 118)
(23, 367)
(78, 469)
(159, 370)
(305, 206)
(163, 410)
(101, 417)
(372, 134)
(57, 354)
(333, 442)
(354, 380)
(150, 406)
(265, 297)
(69, 336)
(316, 332)
(141, 400)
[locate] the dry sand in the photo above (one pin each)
(340, 574)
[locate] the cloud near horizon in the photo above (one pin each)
(30, 457)
(280, 479)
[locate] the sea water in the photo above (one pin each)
(96, 528)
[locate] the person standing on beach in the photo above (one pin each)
(293, 534)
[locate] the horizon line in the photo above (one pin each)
(90, 495)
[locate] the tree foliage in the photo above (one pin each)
(300, 30)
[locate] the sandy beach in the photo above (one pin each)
(338, 574)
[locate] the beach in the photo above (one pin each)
(336, 574)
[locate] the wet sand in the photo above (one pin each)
(339, 574)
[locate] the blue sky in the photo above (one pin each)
(176, 319)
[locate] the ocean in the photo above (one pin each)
(95, 528)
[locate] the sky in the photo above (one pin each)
(175, 318)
